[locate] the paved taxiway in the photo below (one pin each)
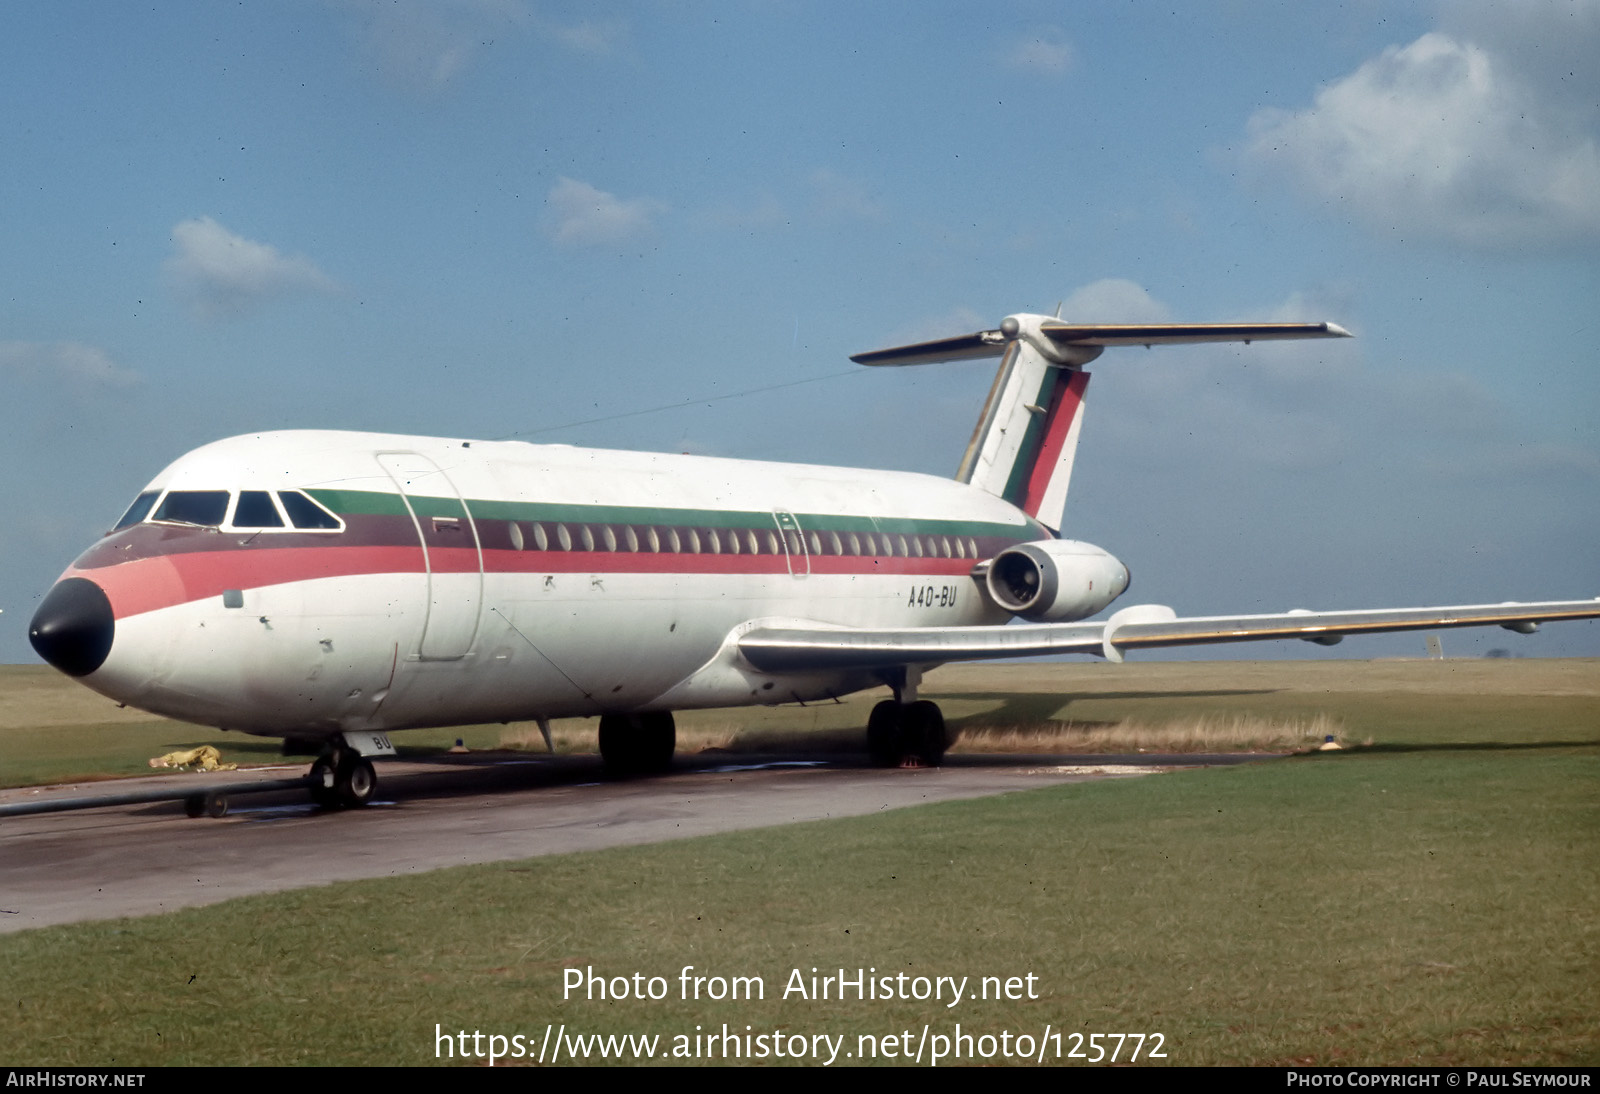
(143, 859)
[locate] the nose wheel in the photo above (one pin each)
(907, 734)
(343, 779)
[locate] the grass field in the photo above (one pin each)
(1431, 898)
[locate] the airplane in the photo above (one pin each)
(334, 587)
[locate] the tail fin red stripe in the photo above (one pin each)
(1065, 403)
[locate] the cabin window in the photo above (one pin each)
(972, 547)
(588, 537)
(854, 544)
(816, 543)
(541, 538)
(205, 508)
(693, 539)
(255, 510)
(733, 542)
(516, 536)
(651, 539)
(563, 537)
(630, 537)
(752, 542)
(138, 510)
(305, 513)
(672, 541)
(610, 535)
(792, 540)
(916, 546)
(833, 539)
(713, 541)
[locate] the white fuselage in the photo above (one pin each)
(495, 581)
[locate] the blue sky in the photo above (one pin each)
(494, 218)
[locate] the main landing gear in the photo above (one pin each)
(907, 734)
(343, 778)
(637, 744)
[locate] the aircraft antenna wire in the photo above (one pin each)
(679, 406)
(541, 653)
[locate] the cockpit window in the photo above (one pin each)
(138, 510)
(255, 510)
(203, 507)
(306, 513)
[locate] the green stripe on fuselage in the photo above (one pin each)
(377, 503)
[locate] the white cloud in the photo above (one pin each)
(1044, 50)
(427, 43)
(1446, 138)
(580, 215)
(83, 366)
(1113, 300)
(838, 196)
(593, 37)
(221, 273)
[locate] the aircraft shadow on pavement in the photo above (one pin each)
(1042, 711)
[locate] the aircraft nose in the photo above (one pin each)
(73, 628)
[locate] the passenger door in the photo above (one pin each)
(451, 553)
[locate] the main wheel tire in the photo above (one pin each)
(884, 733)
(925, 737)
(616, 743)
(638, 744)
(357, 781)
(660, 740)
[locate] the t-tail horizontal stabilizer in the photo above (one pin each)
(992, 343)
(1023, 447)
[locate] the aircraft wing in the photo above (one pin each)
(1143, 626)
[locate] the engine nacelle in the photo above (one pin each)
(1055, 580)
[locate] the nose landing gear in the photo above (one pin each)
(343, 778)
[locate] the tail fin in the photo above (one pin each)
(1025, 440)
(1023, 447)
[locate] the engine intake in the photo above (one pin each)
(1055, 580)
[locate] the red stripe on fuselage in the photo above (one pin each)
(148, 584)
(1064, 404)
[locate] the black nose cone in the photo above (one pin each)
(73, 628)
